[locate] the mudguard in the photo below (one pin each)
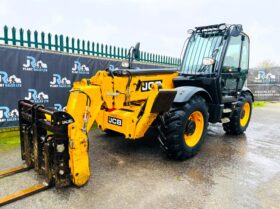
(184, 93)
(246, 89)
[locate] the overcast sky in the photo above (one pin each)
(159, 25)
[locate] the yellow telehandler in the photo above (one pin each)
(177, 103)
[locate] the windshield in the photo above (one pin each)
(202, 45)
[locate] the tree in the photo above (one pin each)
(265, 64)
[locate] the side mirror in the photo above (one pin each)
(136, 51)
(208, 61)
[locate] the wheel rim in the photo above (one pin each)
(194, 129)
(245, 114)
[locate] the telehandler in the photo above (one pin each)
(179, 104)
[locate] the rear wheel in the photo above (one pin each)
(241, 116)
(185, 129)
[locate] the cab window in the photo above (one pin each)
(232, 57)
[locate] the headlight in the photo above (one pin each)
(125, 64)
(222, 27)
(190, 31)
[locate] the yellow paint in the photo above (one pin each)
(78, 141)
(48, 117)
(246, 115)
(109, 98)
(192, 139)
(22, 193)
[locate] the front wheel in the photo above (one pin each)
(185, 129)
(241, 116)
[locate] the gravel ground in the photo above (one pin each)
(229, 172)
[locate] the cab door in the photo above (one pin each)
(234, 68)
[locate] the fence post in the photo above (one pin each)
(67, 44)
(118, 53)
(125, 53)
(92, 48)
(88, 47)
(122, 53)
(83, 46)
(73, 45)
(21, 37)
(43, 40)
(6, 34)
(14, 39)
(78, 46)
(106, 50)
(56, 42)
(102, 50)
(114, 52)
(97, 49)
(36, 39)
(110, 51)
(28, 38)
(49, 41)
(61, 44)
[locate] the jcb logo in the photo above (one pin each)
(147, 85)
(115, 121)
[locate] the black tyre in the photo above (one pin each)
(185, 129)
(241, 116)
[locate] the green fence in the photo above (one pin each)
(76, 46)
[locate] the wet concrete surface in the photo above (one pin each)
(229, 172)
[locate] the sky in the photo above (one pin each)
(160, 25)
